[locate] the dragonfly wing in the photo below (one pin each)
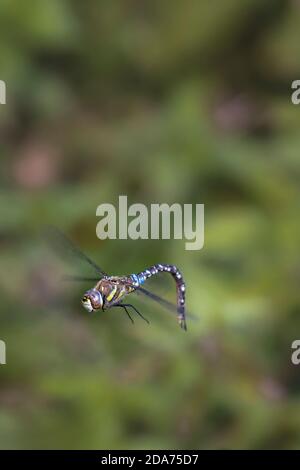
(60, 241)
(165, 303)
(72, 278)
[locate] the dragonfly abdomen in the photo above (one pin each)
(140, 278)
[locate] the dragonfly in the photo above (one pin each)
(111, 291)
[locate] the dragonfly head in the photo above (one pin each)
(92, 300)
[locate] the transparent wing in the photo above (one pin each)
(163, 302)
(61, 243)
(71, 277)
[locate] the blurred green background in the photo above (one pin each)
(163, 101)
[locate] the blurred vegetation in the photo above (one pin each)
(176, 101)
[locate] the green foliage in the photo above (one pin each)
(183, 102)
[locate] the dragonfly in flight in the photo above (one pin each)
(111, 291)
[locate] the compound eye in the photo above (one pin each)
(96, 298)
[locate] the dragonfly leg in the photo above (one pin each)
(136, 310)
(128, 314)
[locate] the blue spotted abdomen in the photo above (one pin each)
(140, 278)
